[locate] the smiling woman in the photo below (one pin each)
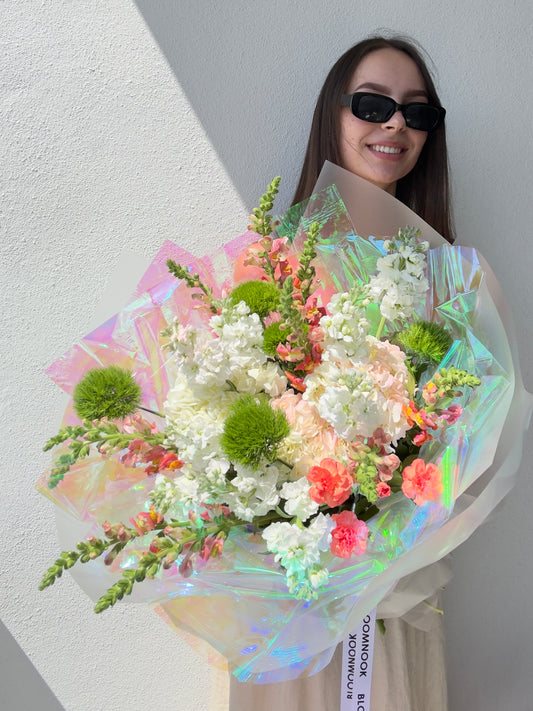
(383, 152)
(393, 68)
(378, 116)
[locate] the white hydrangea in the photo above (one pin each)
(400, 282)
(195, 420)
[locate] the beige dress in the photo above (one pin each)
(409, 674)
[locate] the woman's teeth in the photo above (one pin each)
(386, 149)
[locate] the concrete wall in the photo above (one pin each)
(128, 124)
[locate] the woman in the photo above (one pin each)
(378, 115)
(419, 176)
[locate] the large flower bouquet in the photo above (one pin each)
(257, 456)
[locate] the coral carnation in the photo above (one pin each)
(332, 483)
(422, 482)
(350, 535)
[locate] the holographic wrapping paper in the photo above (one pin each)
(239, 603)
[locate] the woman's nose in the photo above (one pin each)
(396, 122)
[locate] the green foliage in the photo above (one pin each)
(261, 220)
(406, 237)
(110, 392)
(364, 509)
(261, 297)
(425, 344)
(252, 431)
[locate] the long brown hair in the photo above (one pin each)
(426, 189)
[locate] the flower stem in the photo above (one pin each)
(380, 327)
(152, 412)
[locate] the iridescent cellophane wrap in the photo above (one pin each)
(239, 603)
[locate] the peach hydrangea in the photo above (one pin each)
(311, 438)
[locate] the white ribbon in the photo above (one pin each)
(357, 656)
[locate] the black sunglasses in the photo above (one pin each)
(379, 109)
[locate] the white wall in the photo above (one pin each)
(126, 125)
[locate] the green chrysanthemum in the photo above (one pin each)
(424, 344)
(261, 297)
(110, 392)
(273, 335)
(253, 431)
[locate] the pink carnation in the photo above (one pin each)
(350, 535)
(422, 482)
(332, 483)
(382, 489)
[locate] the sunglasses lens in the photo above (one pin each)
(373, 108)
(422, 116)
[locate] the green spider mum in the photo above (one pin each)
(273, 335)
(425, 344)
(110, 392)
(261, 297)
(253, 431)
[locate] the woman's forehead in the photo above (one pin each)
(388, 69)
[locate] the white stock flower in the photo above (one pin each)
(345, 325)
(400, 283)
(180, 495)
(298, 550)
(298, 503)
(358, 397)
(252, 493)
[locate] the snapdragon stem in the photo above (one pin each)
(380, 327)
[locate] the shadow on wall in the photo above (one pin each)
(245, 84)
(33, 693)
